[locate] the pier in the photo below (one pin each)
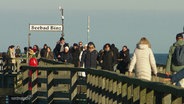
(58, 83)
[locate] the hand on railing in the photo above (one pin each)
(168, 74)
(130, 74)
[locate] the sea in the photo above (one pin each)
(161, 58)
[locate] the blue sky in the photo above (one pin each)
(122, 22)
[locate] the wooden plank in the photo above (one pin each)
(103, 83)
(150, 97)
(129, 93)
(110, 85)
(166, 99)
(114, 87)
(136, 93)
(142, 95)
(103, 99)
(119, 88)
(124, 90)
(176, 100)
(106, 84)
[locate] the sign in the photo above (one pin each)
(46, 28)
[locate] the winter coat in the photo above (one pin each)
(49, 55)
(169, 65)
(89, 59)
(75, 54)
(108, 60)
(115, 53)
(144, 62)
(43, 52)
(125, 60)
(58, 48)
(66, 57)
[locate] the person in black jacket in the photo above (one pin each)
(115, 51)
(107, 59)
(124, 60)
(89, 56)
(66, 56)
(59, 48)
(43, 50)
(75, 54)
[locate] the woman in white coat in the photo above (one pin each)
(143, 60)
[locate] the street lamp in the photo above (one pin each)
(29, 35)
(62, 18)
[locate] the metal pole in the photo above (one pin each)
(62, 19)
(28, 46)
(88, 28)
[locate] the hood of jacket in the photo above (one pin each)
(142, 46)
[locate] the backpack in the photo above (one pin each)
(178, 55)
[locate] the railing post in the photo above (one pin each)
(150, 96)
(124, 92)
(136, 94)
(142, 95)
(176, 100)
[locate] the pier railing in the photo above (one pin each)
(60, 83)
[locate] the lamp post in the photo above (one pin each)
(88, 28)
(62, 18)
(29, 35)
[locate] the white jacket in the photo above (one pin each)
(144, 62)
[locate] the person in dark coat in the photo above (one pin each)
(43, 50)
(108, 59)
(115, 51)
(75, 54)
(124, 60)
(80, 46)
(89, 56)
(59, 48)
(66, 56)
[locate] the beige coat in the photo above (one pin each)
(12, 55)
(144, 62)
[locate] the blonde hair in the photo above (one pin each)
(144, 40)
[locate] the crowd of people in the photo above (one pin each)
(109, 57)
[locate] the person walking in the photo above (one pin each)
(124, 60)
(175, 60)
(36, 51)
(66, 56)
(144, 61)
(11, 54)
(107, 59)
(75, 54)
(89, 57)
(82, 74)
(49, 54)
(43, 50)
(18, 51)
(59, 48)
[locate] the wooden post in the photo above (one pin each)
(142, 95)
(136, 94)
(150, 96)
